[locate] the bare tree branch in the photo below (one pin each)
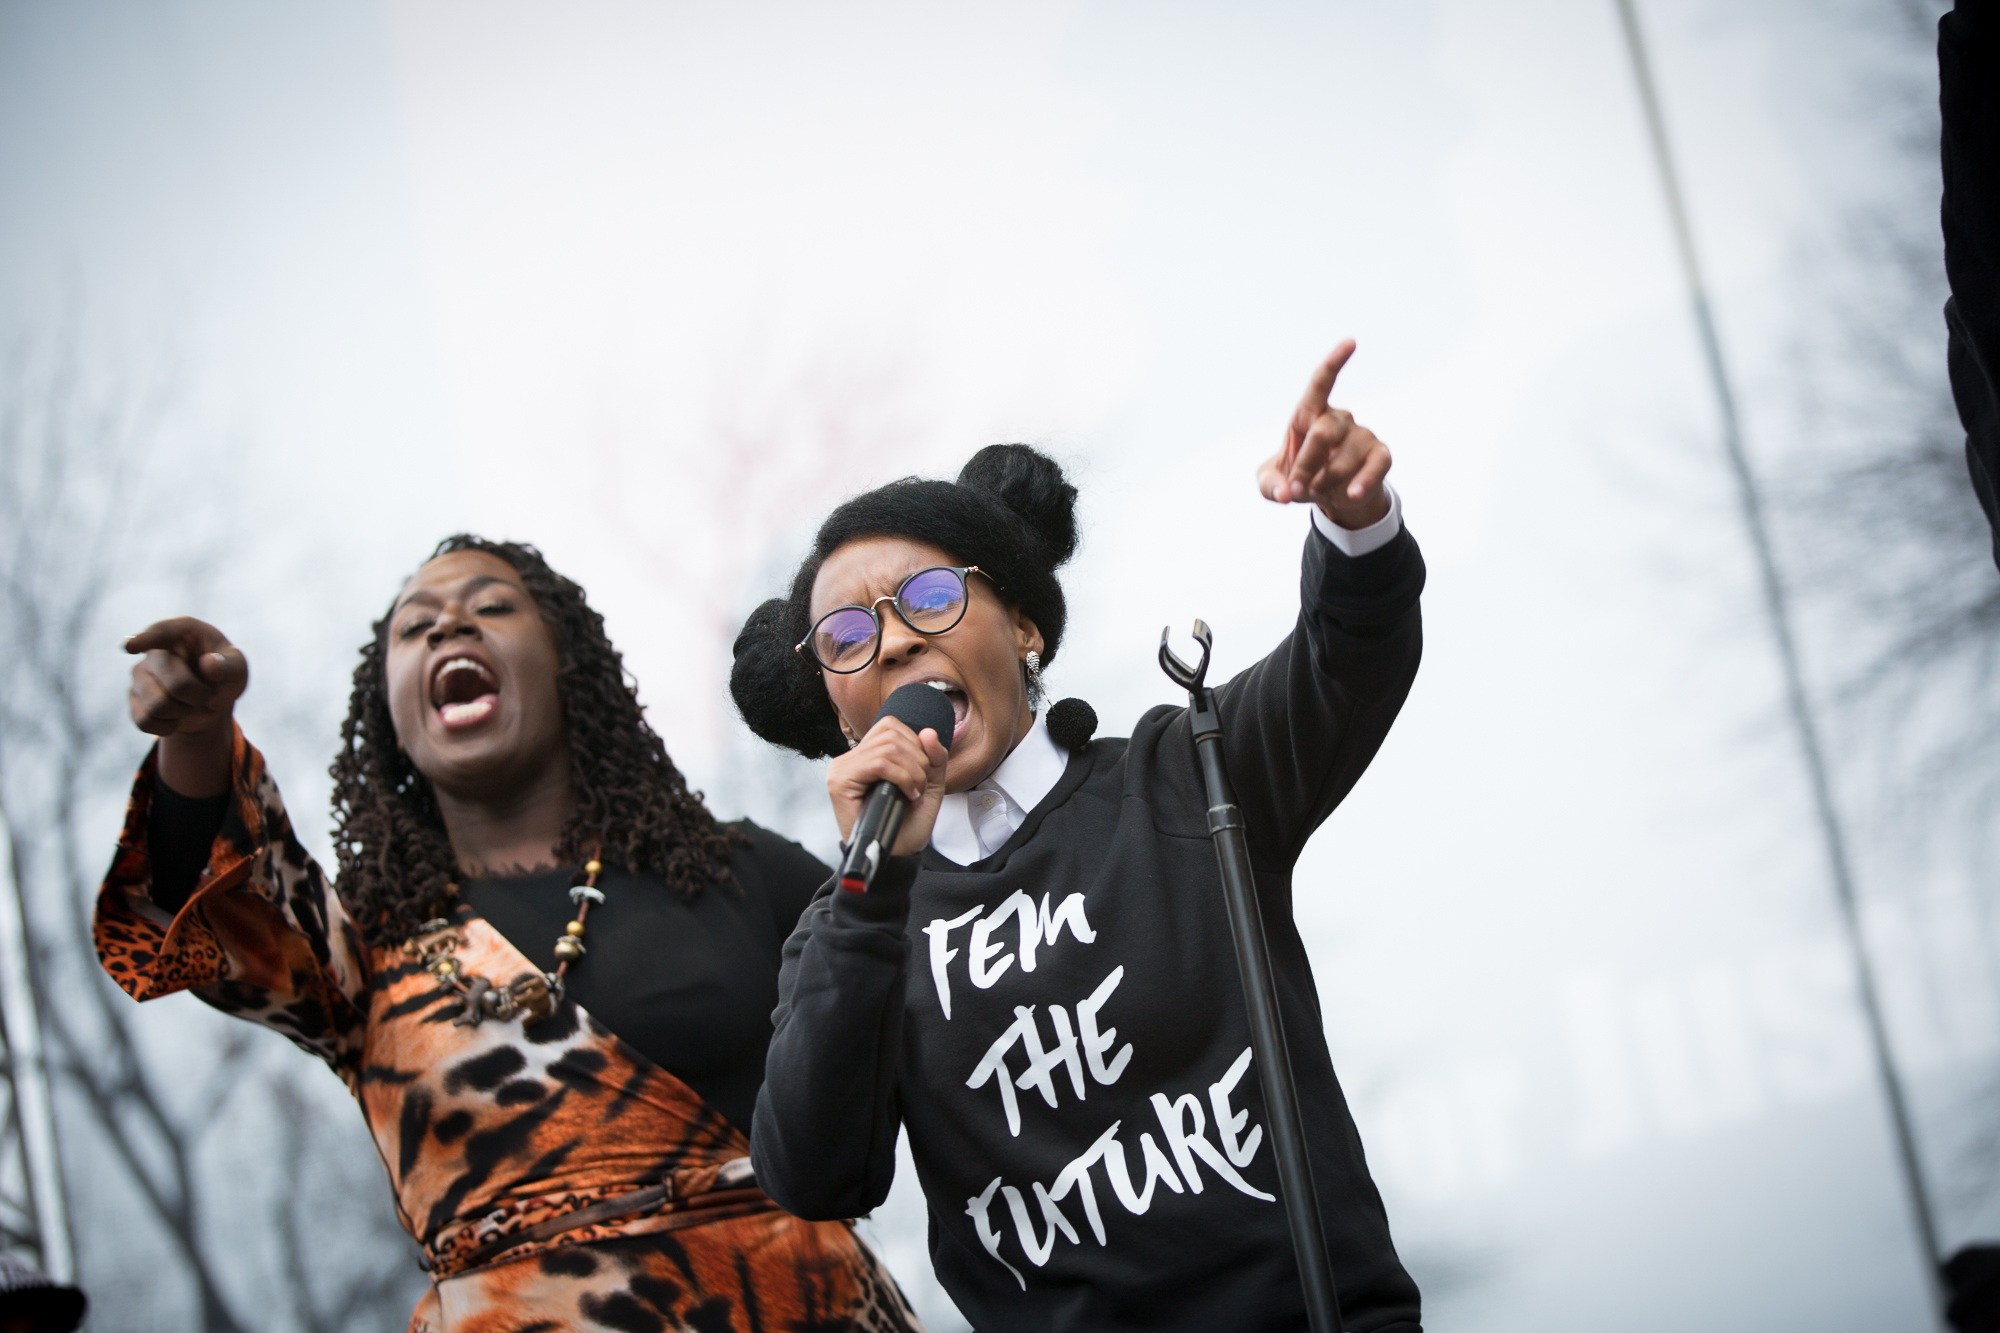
(79, 490)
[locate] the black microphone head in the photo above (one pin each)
(918, 706)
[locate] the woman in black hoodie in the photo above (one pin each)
(1040, 985)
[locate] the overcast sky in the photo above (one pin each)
(653, 286)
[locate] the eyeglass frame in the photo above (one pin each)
(964, 572)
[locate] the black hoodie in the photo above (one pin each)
(1061, 1026)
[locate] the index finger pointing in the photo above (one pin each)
(183, 634)
(1320, 386)
(162, 635)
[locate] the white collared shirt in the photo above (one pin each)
(972, 825)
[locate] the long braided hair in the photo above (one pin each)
(395, 860)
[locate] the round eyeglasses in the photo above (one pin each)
(930, 601)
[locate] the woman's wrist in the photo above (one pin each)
(887, 901)
(1358, 514)
(196, 764)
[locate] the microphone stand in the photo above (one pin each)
(1260, 995)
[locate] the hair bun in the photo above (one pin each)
(779, 696)
(1071, 723)
(1031, 484)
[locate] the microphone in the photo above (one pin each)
(916, 707)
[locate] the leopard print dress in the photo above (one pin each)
(494, 1133)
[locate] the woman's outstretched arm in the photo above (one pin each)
(184, 690)
(1301, 725)
(259, 933)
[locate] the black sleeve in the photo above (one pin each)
(1969, 103)
(1300, 726)
(823, 1138)
(180, 830)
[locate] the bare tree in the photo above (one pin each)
(65, 486)
(779, 449)
(84, 462)
(372, 1287)
(1893, 556)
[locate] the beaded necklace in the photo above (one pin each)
(533, 995)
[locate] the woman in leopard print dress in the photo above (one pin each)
(554, 1170)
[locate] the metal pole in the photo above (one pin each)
(1260, 993)
(1777, 610)
(34, 1116)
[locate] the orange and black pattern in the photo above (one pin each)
(493, 1130)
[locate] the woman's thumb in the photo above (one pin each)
(225, 669)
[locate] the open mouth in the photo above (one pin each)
(464, 692)
(961, 707)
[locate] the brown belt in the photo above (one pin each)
(696, 1210)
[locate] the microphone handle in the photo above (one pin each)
(874, 834)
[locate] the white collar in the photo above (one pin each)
(1024, 778)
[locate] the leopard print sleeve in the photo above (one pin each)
(263, 936)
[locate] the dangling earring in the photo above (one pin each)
(1033, 663)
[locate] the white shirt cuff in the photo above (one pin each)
(1361, 541)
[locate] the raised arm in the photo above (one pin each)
(1302, 724)
(184, 690)
(259, 932)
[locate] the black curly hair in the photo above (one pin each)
(1012, 512)
(395, 861)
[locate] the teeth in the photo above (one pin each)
(459, 712)
(464, 664)
(940, 686)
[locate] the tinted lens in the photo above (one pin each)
(932, 600)
(844, 639)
